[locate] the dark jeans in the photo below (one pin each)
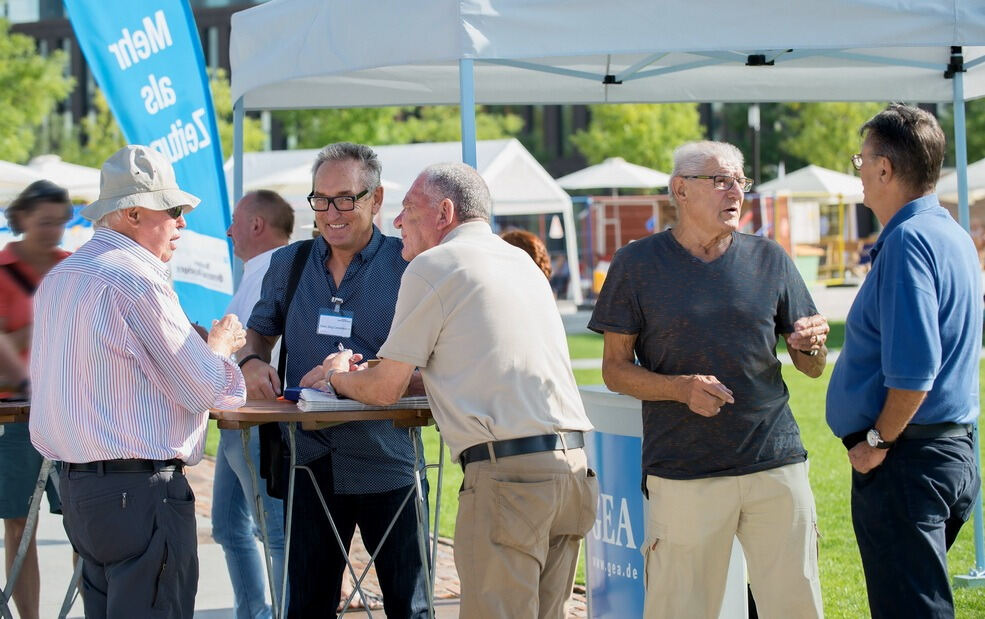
(136, 533)
(315, 565)
(907, 513)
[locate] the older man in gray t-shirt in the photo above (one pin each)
(702, 307)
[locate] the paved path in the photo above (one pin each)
(215, 594)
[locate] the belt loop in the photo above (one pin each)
(564, 443)
(492, 452)
(101, 468)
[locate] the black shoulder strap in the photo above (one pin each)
(304, 250)
(16, 275)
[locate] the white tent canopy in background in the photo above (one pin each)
(518, 183)
(82, 182)
(13, 179)
(816, 182)
(614, 173)
(947, 186)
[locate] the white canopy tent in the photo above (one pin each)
(518, 183)
(947, 186)
(815, 182)
(13, 179)
(614, 172)
(82, 182)
(292, 54)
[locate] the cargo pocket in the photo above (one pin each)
(523, 513)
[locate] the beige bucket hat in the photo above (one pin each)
(138, 176)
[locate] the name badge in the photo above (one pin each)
(335, 323)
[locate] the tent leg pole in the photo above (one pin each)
(466, 82)
(976, 575)
(237, 175)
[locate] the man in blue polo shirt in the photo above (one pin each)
(346, 295)
(904, 392)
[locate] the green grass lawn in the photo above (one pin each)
(842, 583)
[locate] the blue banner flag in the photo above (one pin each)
(147, 58)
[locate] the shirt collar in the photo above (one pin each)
(469, 228)
(259, 261)
(909, 210)
(366, 254)
(125, 243)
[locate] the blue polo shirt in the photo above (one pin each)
(367, 456)
(916, 324)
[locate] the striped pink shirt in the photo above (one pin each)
(116, 369)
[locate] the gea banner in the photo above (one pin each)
(147, 58)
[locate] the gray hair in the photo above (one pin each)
(347, 151)
(109, 220)
(692, 158)
(461, 184)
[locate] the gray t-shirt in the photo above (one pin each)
(720, 318)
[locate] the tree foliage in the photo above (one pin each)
(974, 129)
(390, 125)
(825, 134)
(644, 134)
(103, 137)
(31, 86)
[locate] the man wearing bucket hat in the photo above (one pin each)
(121, 386)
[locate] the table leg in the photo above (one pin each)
(437, 510)
(262, 519)
(73, 589)
(291, 431)
(25, 542)
(422, 524)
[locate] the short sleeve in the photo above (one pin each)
(417, 322)
(617, 309)
(795, 300)
(908, 317)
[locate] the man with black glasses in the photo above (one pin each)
(903, 396)
(346, 293)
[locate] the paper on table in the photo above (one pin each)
(315, 400)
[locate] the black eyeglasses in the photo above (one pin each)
(723, 182)
(175, 211)
(341, 203)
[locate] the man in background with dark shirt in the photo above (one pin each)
(702, 307)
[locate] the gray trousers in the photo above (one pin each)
(136, 533)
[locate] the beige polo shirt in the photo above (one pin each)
(478, 318)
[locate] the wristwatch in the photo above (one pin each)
(874, 439)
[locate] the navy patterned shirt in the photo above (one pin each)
(367, 456)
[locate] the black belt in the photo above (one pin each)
(925, 431)
(126, 466)
(525, 445)
(935, 430)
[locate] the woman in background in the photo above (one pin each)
(40, 214)
(530, 243)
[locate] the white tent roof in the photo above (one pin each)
(308, 54)
(517, 182)
(614, 172)
(14, 178)
(947, 186)
(815, 181)
(81, 181)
